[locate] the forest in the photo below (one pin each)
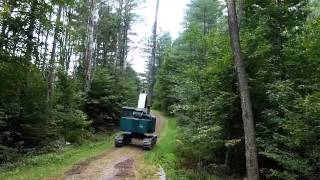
(63, 71)
(65, 74)
(197, 82)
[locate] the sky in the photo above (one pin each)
(170, 18)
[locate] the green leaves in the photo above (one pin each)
(109, 93)
(197, 83)
(204, 14)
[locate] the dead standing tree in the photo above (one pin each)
(247, 114)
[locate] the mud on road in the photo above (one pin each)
(118, 163)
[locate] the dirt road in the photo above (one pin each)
(117, 164)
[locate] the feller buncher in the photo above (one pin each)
(137, 123)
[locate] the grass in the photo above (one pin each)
(163, 155)
(53, 165)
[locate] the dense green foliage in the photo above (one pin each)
(108, 94)
(196, 82)
(61, 74)
(55, 164)
(164, 154)
(64, 76)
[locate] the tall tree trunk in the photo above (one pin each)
(94, 58)
(120, 35)
(124, 45)
(36, 48)
(65, 46)
(205, 21)
(247, 114)
(70, 52)
(32, 26)
(52, 59)
(89, 48)
(240, 12)
(15, 42)
(44, 57)
(69, 42)
(153, 57)
(126, 24)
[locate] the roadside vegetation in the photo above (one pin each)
(55, 88)
(164, 155)
(198, 84)
(54, 165)
(65, 74)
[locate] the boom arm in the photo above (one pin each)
(142, 103)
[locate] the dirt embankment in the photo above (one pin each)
(117, 164)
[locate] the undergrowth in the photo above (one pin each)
(164, 156)
(53, 165)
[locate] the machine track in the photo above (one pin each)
(149, 142)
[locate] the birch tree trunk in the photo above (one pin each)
(247, 114)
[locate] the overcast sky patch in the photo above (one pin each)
(171, 13)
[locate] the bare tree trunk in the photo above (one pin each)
(65, 46)
(36, 48)
(205, 21)
(89, 50)
(124, 45)
(70, 52)
(120, 34)
(15, 42)
(153, 56)
(126, 26)
(240, 12)
(247, 114)
(69, 43)
(94, 57)
(52, 59)
(31, 28)
(45, 48)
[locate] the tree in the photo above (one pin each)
(52, 61)
(32, 19)
(196, 82)
(204, 14)
(89, 45)
(152, 71)
(247, 114)
(48, 46)
(163, 44)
